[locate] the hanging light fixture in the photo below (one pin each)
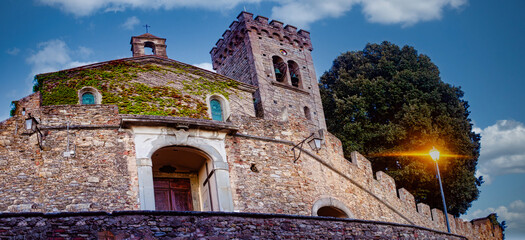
(31, 124)
(314, 142)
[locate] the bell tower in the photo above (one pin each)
(277, 59)
(148, 40)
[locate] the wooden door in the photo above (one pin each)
(173, 194)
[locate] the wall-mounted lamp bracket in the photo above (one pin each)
(315, 144)
(31, 126)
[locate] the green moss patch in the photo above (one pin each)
(115, 82)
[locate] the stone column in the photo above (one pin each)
(224, 192)
(146, 193)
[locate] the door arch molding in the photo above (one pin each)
(150, 139)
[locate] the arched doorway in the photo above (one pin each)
(213, 191)
(331, 207)
(181, 179)
(331, 212)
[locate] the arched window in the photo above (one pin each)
(216, 110)
(89, 95)
(279, 68)
(88, 98)
(218, 107)
(294, 74)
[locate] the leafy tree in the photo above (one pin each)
(384, 100)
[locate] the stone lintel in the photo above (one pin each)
(177, 122)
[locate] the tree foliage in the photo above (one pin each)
(384, 100)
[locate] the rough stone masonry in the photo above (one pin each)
(177, 145)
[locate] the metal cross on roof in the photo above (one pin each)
(146, 26)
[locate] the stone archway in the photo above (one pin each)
(181, 179)
(213, 183)
(331, 207)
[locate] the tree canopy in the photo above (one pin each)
(386, 100)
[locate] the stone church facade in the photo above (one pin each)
(152, 133)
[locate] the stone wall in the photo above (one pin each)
(102, 175)
(86, 160)
(278, 185)
(41, 177)
(201, 225)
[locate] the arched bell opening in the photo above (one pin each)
(279, 68)
(181, 179)
(295, 76)
(149, 48)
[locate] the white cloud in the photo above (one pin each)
(205, 65)
(84, 52)
(502, 149)
(130, 23)
(300, 13)
(407, 12)
(13, 51)
(87, 7)
(55, 55)
(513, 214)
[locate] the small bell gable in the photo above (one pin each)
(148, 40)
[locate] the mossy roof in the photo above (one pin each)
(148, 59)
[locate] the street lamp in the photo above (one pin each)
(434, 154)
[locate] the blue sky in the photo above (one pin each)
(477, 45)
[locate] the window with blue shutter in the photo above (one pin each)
(216, 110)
(88, 98)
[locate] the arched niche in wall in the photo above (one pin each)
(307, 113)
(331, 207)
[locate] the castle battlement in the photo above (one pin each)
(285, 34)
(400, 202)
(277, 59)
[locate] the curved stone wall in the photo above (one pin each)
(201, 225)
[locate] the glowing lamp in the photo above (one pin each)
(434, 154)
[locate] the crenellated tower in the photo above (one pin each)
(277, 59)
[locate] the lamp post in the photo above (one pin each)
(434, 154)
